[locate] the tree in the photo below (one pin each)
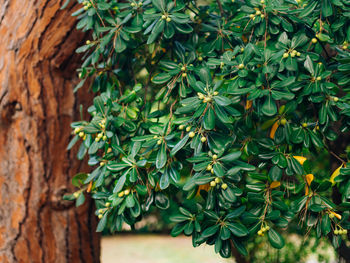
(37, 104)
(228, 108)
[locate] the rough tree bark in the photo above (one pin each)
(37, 76)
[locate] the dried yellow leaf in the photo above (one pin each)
(274, 129)
(309, 178)
(335, 174)
(300, 159)
(336, 215)
(275, 184)
(248, 104)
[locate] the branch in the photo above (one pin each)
(220, 7)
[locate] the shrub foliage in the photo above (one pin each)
(228, 104)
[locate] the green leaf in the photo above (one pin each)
(161, 157)
(275, 173)
(120, 184)
(209, 119)
(210, 231)
(231, 157)
(103, 222)
(179, 145)
(161, 78)
(164, 180)
(218, 170)
(327, 9)
(162, 201)
(308, 64)
(238, 229)
(130, 201)
(269, 107)
(276, 240)
(80, 200)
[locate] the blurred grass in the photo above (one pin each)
(156, 249)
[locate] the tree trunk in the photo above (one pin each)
(37, 105)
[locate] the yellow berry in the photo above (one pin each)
(262, 16)
(104, 138)
(212, 184)
(209, 167)
(285, 55)
(181, 127)
(184, 75)
(258, 13)
(267, 228)
(203, 139)
(100, 216)
(88, 42)
(159, 142)
(81, 134)
(200, 58)
(252, 16)
(212, 171)
(188, 128)
(298, 54)
(292, 55)
(163, 17)
(336, 232)
(107, 204)
(76, 194)
(241, 66)
(215, 157)
(224, 186)
(121, 194)
(76, 130)
(191, 134)
(100, 135)
(335, 99)
(242, 49)
(100, 211)
(127, 191)
(260, 233)
(318, 78)
(314, 40)
(283, 121)
(345, 231)
(217, 180)
(183, 68)
(168, 19)
(216, 93)
(97, 139)
(345, 47)
(262, 2)
(304, 124)
(132, 4)
(102, 163)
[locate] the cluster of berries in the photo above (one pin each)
(263, 230)
(86, 5)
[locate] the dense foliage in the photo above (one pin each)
(223, 107)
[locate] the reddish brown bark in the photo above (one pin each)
(37, 104)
